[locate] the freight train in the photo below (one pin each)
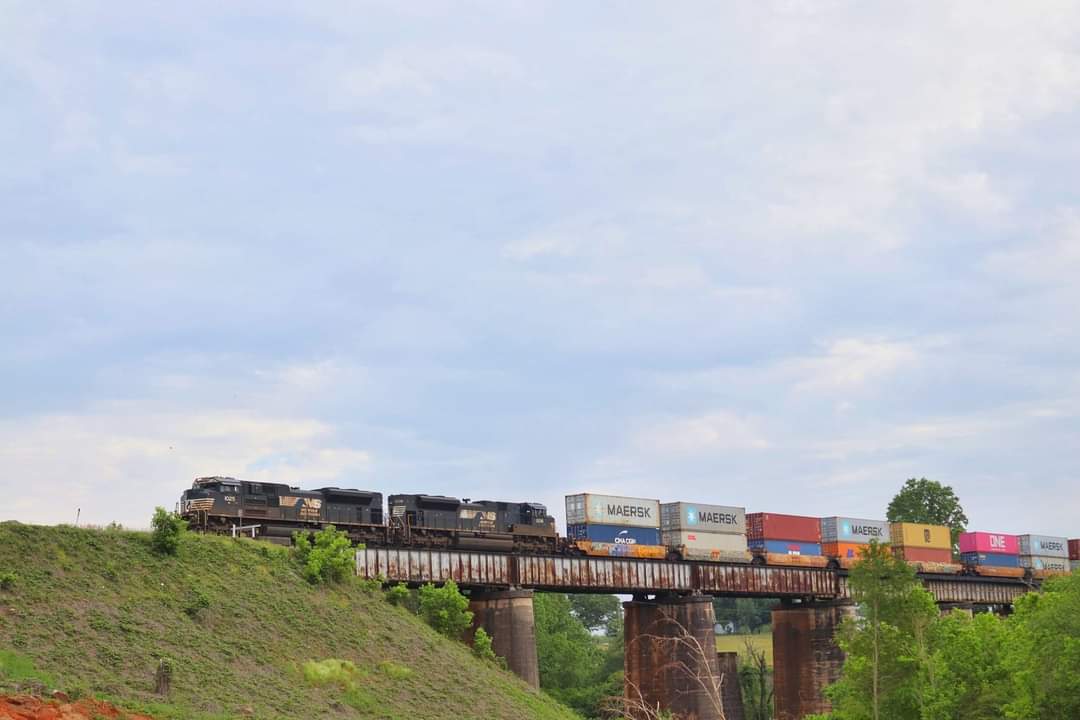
(609, 526)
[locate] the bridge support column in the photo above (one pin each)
(731, 691)
(806, 658)
(670, 657)
(507, 616)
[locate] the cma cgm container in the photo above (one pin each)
(990, 559)
(984, 542)
(772, 526)
(786, 547)
(1074, 549)
(591, 509)
(853, 530)
(702, 518)
(614, 534)
(719, 547)
(918, 535)
(1044, 546)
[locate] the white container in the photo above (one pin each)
(587, 508)
(853, 530)
(703, 518)
(696, 545)
(1044, 563)
(1044, 546)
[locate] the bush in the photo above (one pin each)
(328, 559)
(445, 609)
(481, 646)
(7, 580)
(398, 594)
(195, 603)
(344, 675)
(167, 530)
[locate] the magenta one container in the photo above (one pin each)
(984, 542)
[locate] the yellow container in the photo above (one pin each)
(917, 535)
(654, 552)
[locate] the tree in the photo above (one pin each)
(881, 672)
(929, 502)
(596, 612)
(167, 530)
(445, 609)
(328, 559)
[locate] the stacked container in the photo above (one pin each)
(785, 539)
(842, 537)
(1044, 554)
(1074, 554)
(611, 525)
(991, 553)
(704, 532)
(928, 547)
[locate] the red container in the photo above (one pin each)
(1074, 549)
(921, 554)
(984, 542)
(770, 526)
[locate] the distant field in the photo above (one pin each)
(737, 643)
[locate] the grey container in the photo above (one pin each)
(1044, 563)
(702, 518)
(592, 509)
(853, 530)
(1044, 546)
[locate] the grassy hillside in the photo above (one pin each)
(93, 611)
(737, 643)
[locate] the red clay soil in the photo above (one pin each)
(25, 707)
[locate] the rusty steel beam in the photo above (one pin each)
(640, 576)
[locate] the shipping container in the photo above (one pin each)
(1043, 546)
(614, 534)
(853, 530)
(1044, 563)
(849, 551)
(706, 518)
(991, 559)
(720, 547)
(656, 552)
(914, 535)
(590, 509)
(984, 542)
(771, 526)
(786, 547)
(1074, 549)
(921, 554)
(796, 560)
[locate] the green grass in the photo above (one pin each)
(94, 611)
(737, 643)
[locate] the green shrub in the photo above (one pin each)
(394, 671)
(481, 647)
(167, 530)
(344, 675)
(195, 602)
(445, 609)
(329, 559)
(7, 579)
(398, 595)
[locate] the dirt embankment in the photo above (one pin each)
(25, 707)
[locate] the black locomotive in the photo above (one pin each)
(275, 511)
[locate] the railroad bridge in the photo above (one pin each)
(672, 601)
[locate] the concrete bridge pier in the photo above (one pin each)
(507, 616)
(806, 659)
(670, 656)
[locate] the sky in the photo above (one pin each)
(782, 255)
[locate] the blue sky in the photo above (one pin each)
(774, 254)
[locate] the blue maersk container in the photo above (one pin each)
(786, 547)
(617, 534)
(990, 559)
